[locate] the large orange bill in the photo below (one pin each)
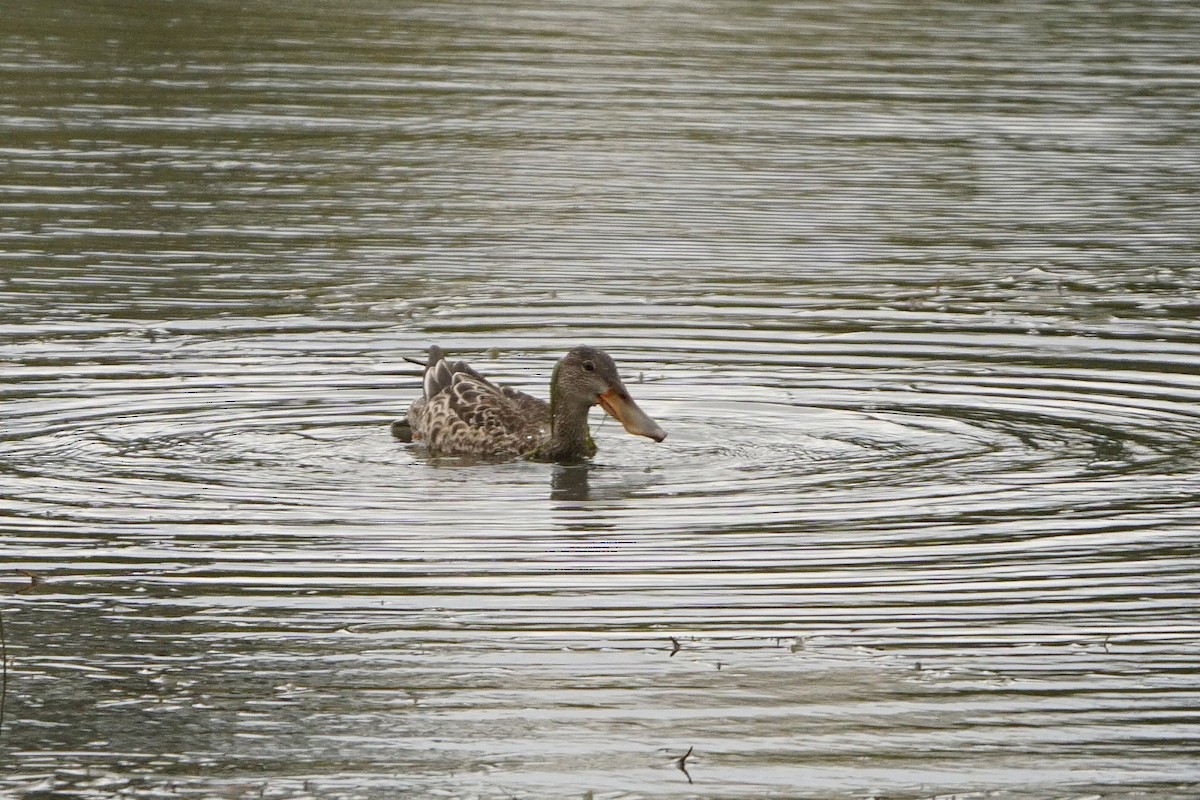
(620, 406)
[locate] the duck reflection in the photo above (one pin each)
(572, 483)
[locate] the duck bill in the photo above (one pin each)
(620, 406)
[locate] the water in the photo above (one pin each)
(911, 286)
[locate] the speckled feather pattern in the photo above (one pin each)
(463, 413)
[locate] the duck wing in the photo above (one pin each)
(463, 413)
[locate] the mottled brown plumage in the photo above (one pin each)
(463, 413)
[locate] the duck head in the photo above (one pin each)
(588, 376)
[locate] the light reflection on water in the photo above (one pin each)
(912, 289)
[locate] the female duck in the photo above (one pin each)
(463, 413)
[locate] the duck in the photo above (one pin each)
(462, 413)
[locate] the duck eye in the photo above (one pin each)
(589, 366)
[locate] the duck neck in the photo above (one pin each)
(569, 434)
(570, 439)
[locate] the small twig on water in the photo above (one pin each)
(35, 580)
(681, 763)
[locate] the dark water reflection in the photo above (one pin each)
(912, 286)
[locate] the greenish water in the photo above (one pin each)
(913, 288)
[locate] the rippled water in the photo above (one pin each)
(913, 288)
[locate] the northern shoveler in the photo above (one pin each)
(463, 413)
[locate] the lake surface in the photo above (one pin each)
(914, 288)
